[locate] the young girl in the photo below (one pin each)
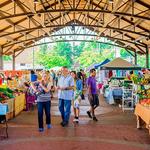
(77, 95)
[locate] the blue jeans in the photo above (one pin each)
(41, 107)
(65, 109)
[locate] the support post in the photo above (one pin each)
(135, 58)
(13, 62)
(147, 57)
(33, 57)
(1, 58)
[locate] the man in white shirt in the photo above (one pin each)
(65, 95)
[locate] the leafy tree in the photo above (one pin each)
(64, 49)
(78, 49)
(89, 57)
(124, 53)
(90, 46)
(59, 55)
(51, 60)
(7, 58)
(104, 46)
(44, 48)
(141, 60)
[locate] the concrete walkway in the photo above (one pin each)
(115, 130)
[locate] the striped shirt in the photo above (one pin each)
(43, 96)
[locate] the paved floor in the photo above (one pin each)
(115, 130)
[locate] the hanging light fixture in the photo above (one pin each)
(111, 1)
(36, 1)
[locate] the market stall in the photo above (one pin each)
(142, 109)
(115, 89)
(12, 92)
(143, 116)
(101, 74)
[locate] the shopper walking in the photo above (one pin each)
(92, 94)
(65, 95)
(33, 76)
(53, 75)
(78, 87)
(42, 90)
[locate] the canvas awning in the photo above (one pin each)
(120, 64)
(102, 63)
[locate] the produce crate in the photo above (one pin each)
(10, 103)
(9, 115)
(19, 104)
(3, 109)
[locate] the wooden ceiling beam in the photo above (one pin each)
(37, 38)
(132, 23)
(33, 11)
(29, 46)
(38, 18)
(15, 23)
(62, 25)
(143, 3)
(126, 8)
(140, 48)
(5, 3)
(78, 10)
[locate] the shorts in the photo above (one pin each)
(94, 100)
(76, 102)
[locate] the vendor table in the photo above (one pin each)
(3, 119)
(111, 93)
(10, 113)
(143, 114)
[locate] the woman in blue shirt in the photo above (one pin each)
(78, 87)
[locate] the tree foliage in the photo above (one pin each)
(141, 60)
(64, 49)
(59, 55)
(78, 49)
(124, 54)
(51, 60)
(7, 58)
(86, 54)
(92, 55)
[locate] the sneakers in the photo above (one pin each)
(76, 119)
(41, 129)
(95, 119)
(64, 124)
(89, 114)
(49, 126)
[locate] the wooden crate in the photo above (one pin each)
(9, 115)
(19, 104)
(10, 103)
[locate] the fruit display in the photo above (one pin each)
(145, 102)
(148, 92)
(145, 81)
(136, 79)
(6, 93)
